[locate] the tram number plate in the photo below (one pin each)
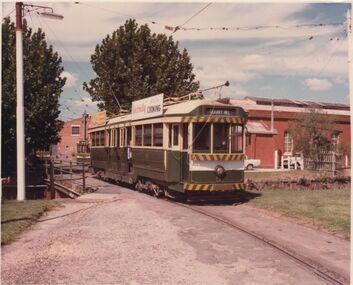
(220, 112)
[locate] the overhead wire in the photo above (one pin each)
(82, 99)
(66, 107)
(192, 17)
(79, 68)
(9, 14)
(262, 27)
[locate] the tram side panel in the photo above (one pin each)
(148, 163)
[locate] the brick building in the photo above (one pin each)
(72, 133)
(267, 137)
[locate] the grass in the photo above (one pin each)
(329, 209)
(287, 175)
(17, 216)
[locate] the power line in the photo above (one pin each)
(255, 28)
(193, 16)
(8, 15)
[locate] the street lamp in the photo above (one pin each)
(20, 116)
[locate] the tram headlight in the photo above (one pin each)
(220, 171)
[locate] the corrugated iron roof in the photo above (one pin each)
(298, 103)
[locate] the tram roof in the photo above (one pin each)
(182, 108)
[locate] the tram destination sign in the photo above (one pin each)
(148, 107)
(220, 112)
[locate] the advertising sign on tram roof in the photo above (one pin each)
(148, 107)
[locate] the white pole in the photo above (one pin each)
(350, 62)
(350, 76)
(20, 129)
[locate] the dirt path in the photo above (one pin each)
(118, 236)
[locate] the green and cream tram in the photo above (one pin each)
(195, 147)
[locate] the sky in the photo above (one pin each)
(285, 61)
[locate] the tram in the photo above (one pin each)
(181, 148)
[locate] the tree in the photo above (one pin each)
(42, 88)
(312, 134)
(132, 64)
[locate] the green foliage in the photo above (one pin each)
(132, 64)
(312, 133)
(42, 88)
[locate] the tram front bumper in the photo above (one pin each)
(214, 187)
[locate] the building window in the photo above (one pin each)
(288, 142)
(335, 141)
(75, 130)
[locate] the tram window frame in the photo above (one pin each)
(226, 140)
(138, 137)
(160, 135)
(236, 149)
(147, 138)
(204, 126)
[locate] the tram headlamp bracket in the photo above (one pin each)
(220, 171)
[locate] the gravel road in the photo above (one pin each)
(118, 236)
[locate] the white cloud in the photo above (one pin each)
(71, 79)
(317, 84)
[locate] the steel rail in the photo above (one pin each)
(305, 262)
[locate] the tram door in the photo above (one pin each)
(175, 139)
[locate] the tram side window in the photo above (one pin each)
(138, 137)
(147, 135)
(117, 137)
(201, 137)
(237, 138)
(128, 135)
(93, 137)
(185, 136)
(158, 135)
(175, 135)
(221, 137)
(108, 136)
(170, 136)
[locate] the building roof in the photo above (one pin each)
(298, 103)
(286, 105)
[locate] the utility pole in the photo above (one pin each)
(350, 64)
(20, 116)
(85, 125)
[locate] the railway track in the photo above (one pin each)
(309, 265)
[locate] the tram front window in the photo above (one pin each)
(221, 138)
(237, 138)
(201, 137)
